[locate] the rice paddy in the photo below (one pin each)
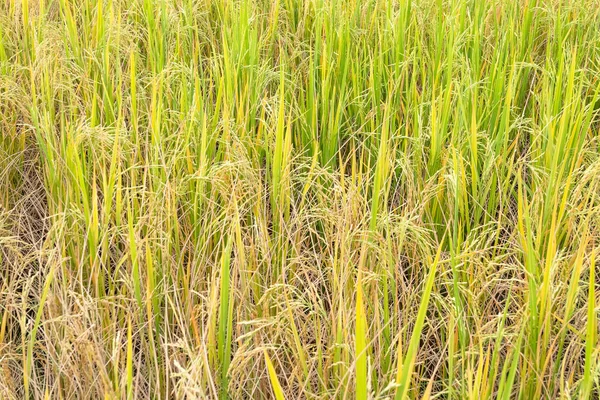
(299, 199)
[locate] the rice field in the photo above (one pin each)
(299, 199)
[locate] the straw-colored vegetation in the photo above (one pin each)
(299, 199)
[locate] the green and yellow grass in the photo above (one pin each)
(299, 199)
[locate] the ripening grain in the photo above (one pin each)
(299, 199)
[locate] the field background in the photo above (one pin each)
(299, 199)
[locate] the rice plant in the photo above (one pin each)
(285, 199)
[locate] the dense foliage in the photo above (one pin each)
(299, 199)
